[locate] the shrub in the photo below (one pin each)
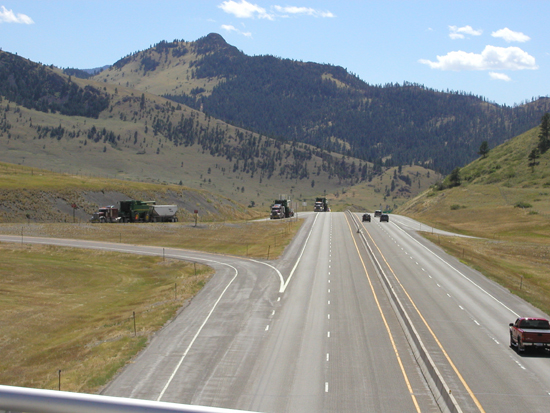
(455, 207)
(522, 204)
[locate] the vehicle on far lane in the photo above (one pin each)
(377, 213)
(366, 217)
(384, 218)
(527, 332)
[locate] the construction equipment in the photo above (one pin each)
(135, 211)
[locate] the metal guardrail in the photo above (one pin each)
(22, 399)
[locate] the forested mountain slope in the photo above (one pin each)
(324, 105)
(83, 127)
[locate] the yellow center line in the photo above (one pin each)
(385, 323)
(470, 392)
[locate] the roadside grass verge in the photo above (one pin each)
(521, 267)
(72, 310)
(255, 239)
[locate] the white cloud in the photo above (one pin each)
(230, 28)
(491, 58)
(511, 36)
(499, 76)
(8, 16)
(245, 10)
(303, 10)
(461, 32)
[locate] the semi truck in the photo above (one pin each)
(321, 205)
(281, 209)
(136, 211)
(277, 211)
(105, 214)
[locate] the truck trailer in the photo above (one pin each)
(164, 213)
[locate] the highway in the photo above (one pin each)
(319, 329)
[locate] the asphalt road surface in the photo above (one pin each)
(316, 331)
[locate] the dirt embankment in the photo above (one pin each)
(57, 206)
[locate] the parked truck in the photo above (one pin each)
(528, 332)
(136, 211)
(281, 208)
(105, 214)
(321, 205)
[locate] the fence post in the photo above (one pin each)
(521, 282)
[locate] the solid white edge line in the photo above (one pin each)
(198, 332)
(276, 270)
(460, 273)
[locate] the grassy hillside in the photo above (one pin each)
(170, 70)
(136, 139)
(506, 203)
(503, 181)
(35, 195)
(386, 191)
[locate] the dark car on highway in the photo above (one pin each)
(366, 217)
(384, 218)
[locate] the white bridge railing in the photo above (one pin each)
(22, 399)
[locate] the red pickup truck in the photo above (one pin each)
(529, 332)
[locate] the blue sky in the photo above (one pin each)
(496, 49)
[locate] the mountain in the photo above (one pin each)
(33, 86)
(324, 105)
(82, 127)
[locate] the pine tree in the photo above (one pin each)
(544, 134)
(454, 178)
(533, 156)
(483, 149)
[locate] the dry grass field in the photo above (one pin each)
(521, 267)
(72, 310)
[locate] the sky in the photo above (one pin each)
(493, 49)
